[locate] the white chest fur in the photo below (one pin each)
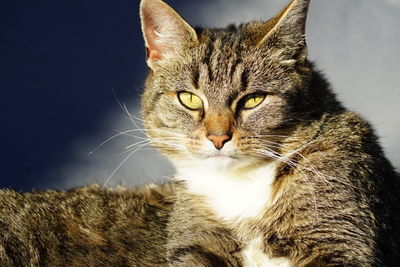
(232, 195)
(253, 256)
(235, 196)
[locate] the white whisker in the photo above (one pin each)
(121, 163)
(119, 133)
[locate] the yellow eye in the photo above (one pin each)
(190, 101)
(253, 101)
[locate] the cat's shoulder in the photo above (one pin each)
(347, 128)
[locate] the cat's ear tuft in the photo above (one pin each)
(287, 31)
(164, 31)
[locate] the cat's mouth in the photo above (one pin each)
(220, 161)
(221, 156)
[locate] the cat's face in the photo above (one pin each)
(223, 98)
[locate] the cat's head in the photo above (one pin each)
(224, 97)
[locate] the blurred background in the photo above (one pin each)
(68, 68)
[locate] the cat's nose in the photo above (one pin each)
(219, 140)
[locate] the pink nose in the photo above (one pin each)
(219, 140)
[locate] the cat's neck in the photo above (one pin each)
(232, 195)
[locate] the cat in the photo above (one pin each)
(89, 226)
(271, 170)
(263, 149)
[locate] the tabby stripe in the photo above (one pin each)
(198, 252)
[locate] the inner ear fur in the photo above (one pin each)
(286, 31)
(164, 31)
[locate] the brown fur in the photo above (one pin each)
(334, 196)
(85, 227)
(334, 200)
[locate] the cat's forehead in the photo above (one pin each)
(225, 63)
(221, 66)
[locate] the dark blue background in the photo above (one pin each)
(60, 61)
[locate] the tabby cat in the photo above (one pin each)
(271, 170)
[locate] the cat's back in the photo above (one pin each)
(87, 226)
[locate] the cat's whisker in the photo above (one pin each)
(325, 178)
(131, 117)
(122, 163)
(126, 111)
(152, 140)
(127, 151)
(293, 165)
(287, 161)
(109, 139)
(145, 136)
(138, 143)
(271, 136)
(165, 131)
(168, 142)
(312, 168)
(308, 166)
(126, 133)
(164, 140)
(153, 144)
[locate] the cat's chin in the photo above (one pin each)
(216, 162)
(220, 162)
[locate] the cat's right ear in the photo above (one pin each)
(165, 32)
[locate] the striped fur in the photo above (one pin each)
(334, 198)
(298, 180)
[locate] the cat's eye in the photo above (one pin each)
(190, 101)
(253, 100)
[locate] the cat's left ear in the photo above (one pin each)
(165, 32)
(286, 34)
